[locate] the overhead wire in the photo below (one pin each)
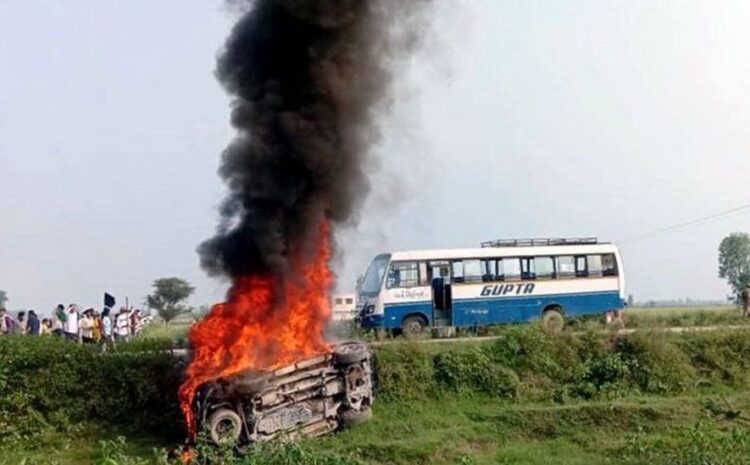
(696, 222)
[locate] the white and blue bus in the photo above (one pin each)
(504, 281)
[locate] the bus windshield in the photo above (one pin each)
(374, 276)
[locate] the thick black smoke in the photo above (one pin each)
(308, 80)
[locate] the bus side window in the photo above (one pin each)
(458, 271)
(403, 274)
(544, 267)
(527, 268)
(566, 267)
(609, 265)
(581, 269)
(489, 270)
(595, 265)
(439, 269)
(424, 280)
(473, 271)
(511, 268)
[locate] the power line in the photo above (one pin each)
(695, 222)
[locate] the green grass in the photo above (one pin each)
(531, 397)
(450, 430)
(173, 331)
(83, 446)
(483, 431)
(684, 317)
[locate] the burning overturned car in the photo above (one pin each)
(309, 398)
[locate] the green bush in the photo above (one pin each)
(49, 383)
(46, 383)
(116, 452)
(404, 371)
(530, 363)
(720, 356)
(658, 365)
(474, 370)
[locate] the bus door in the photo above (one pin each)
(442, 295)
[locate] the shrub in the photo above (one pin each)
(658, 365)
(49, 383)
(721, 356)
(474, 370)
(529, 362)
(404, 371)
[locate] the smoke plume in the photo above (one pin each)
(308, 80)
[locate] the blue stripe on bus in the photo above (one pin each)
(487, 311)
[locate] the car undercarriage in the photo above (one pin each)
(309, 398)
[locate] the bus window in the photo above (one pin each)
(458, 271)
(403, 274)
(595, 265)
(373, 279)
(511, 268)
(581, 269)
(544, 267)
(527, 268)
(566, 267)
(423, 278)
(440, 269)
(489, 270)
(473, 271)
(609, 265)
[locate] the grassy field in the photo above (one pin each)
(660, 317)
(529, 398)
(469, 430)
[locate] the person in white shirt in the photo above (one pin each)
(70, 327)
(122, 325)
(59, 317)
(6, 322)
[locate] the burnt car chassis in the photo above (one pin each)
(309, 398)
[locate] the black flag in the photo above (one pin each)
(109, 300)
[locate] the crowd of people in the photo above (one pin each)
(85, 327)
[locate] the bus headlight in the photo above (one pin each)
(369, 310)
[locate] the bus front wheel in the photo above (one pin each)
(413, 326)
(553, 319)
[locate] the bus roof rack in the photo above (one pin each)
(540, 242)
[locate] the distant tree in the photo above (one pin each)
(169, 296)
(3, 298)
(200, 312)
(734, 262)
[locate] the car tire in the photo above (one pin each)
(413, 326)
(351, 418)
(351, 352)
(225, 426)
(553, 319)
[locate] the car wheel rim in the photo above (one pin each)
(226, 430)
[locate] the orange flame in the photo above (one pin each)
(266, 323)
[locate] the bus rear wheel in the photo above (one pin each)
(413, 326)
(553, 319)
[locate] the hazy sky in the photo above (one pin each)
(520, 118)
